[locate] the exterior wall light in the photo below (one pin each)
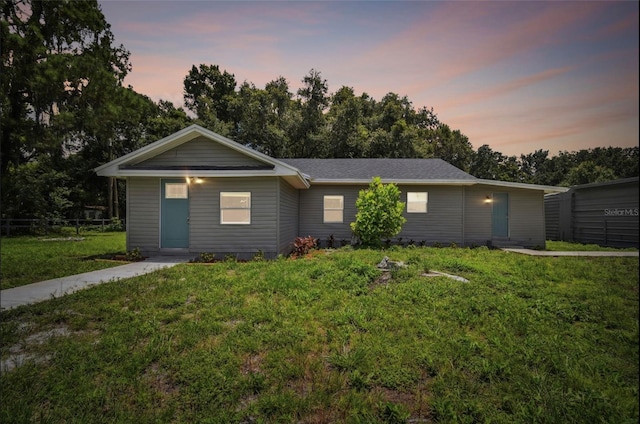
(488, 199)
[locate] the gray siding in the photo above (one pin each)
(552, 216)
(208, 235)
(442, 222)
(288, 216)
(279, 213)
(526, 218)
(143, 217)
(477, 212)
(200, 152)
(312, 210)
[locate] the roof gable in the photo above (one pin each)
(202, 152)
(159, 159)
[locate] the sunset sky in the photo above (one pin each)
(518, 76)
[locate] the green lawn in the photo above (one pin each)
(26, 260)
(323, 339)
(559, 246)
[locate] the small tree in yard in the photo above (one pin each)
(379, 213)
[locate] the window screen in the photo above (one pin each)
(417, 202)
(333, 208)
(235, 208)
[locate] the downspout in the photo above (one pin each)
(127, 220)
(278, 200)
(298, 211)
(464, 194)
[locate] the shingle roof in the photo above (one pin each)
(389, 169)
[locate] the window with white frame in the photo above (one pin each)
(333, 208)
(235, 207)
(417, 201)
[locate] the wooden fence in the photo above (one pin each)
(43, 226)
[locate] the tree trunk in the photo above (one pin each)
(116, 200)
(110, 200)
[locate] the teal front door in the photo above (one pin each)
(500, 215)
(174, 214)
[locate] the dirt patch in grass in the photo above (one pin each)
(382, 280)
(415, 402)
(19, 353)
(156, 378)
(253, 364)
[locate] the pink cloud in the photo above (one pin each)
(621, 26)
(503, 88)
(453, 39)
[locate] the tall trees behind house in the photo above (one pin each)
(316, 123)
(65, 111)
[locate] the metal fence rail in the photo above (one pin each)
(40, 226)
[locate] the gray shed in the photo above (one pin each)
(197, 191)
(600, 213)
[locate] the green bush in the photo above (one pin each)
(379, 213)
(114, 225)
(134, 255)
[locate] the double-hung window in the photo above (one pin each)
(235, 207)
(417, 202)
(333, 208)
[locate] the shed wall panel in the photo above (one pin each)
(552, 216)
(606, 215)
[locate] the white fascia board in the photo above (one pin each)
(192, 173)
(294, 179)
(321, 181)
(547, 189)
(148, 151)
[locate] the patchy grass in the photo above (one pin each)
(560, 246)
(26, 260)
(320, 340)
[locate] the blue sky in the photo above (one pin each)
(518, 76)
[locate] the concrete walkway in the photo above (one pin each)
(597, 253)
(37, 292)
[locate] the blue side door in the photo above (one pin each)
(174, 214)
(500, 215)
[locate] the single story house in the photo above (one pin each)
(598, 213)
(197, 191)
